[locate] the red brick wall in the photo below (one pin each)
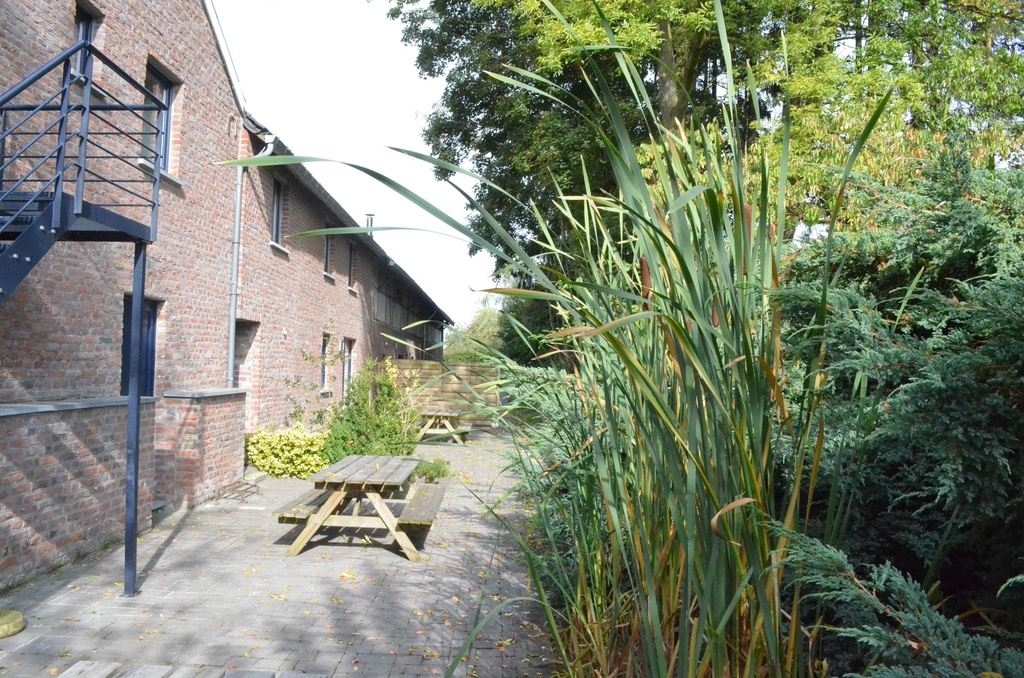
(60, 331)
(62, 491)
(293, 301)
(78, 290)
(204, 452)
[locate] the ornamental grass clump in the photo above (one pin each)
(653, 479)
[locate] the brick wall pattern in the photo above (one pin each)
(62, 486)
(60, 331)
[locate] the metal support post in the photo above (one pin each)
(131, 477)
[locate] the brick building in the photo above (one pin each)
(64, 363)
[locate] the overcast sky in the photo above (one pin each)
(332, 79)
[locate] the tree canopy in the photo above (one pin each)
(952, 65)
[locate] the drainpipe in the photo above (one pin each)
(236, 246)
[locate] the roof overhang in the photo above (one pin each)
(303, 175)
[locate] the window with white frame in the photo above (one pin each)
(325, 347)
(348, 351)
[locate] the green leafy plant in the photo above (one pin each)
(307, 397)
(295, 451)
(431, 471)
(375, 419)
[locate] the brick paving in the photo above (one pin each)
(217, 590)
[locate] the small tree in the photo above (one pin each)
(470, 343)
(374, 419)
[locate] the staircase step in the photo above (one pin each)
(31, 202)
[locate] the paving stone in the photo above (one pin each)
(217, 589)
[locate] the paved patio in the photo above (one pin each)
(217, 591)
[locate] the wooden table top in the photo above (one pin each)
(433, 412)
(361, 470)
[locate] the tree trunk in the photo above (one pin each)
(668, 90)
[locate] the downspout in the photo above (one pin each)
(236, 246)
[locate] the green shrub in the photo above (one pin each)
(374, 419)
(294, 451)
(433, 470)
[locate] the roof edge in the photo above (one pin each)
(225, 54)
(310, 182)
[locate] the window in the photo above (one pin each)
(85, 29)
(277, 212)
(156, 133)
(327, 254)
(147, 376)
(349, 347)
(325, 346)
(351, 264)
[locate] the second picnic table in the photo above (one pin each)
(351, 480)
(435, 421)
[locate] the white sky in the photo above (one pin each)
(332, 79)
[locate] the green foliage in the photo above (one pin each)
(431, 471)
(665, 418)
(893, 621)
(296, 451)
(523, 325)
(306, 396)
(375, 419)
(472, 344)
(926, 327)
(547, 413)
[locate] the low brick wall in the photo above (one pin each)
(62, 475)
(201, 445)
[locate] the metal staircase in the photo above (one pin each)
(80, 158)
(80, 144)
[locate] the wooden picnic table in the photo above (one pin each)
(442, 422)
(347, 483)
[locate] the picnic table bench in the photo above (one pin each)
(437, 422)
(345, 484)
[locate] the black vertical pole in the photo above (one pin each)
(131, 476)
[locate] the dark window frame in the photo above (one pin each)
(351, 263)
(327, 254)
(277, 212)
(161, 122)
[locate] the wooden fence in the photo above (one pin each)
(460, 386)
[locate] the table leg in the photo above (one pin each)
(428, 423)
(389, 519)
(316, 522)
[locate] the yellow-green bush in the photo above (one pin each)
(294, 451)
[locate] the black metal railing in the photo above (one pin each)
(96, 138)
(82, 130)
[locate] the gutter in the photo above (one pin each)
(236, 246)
